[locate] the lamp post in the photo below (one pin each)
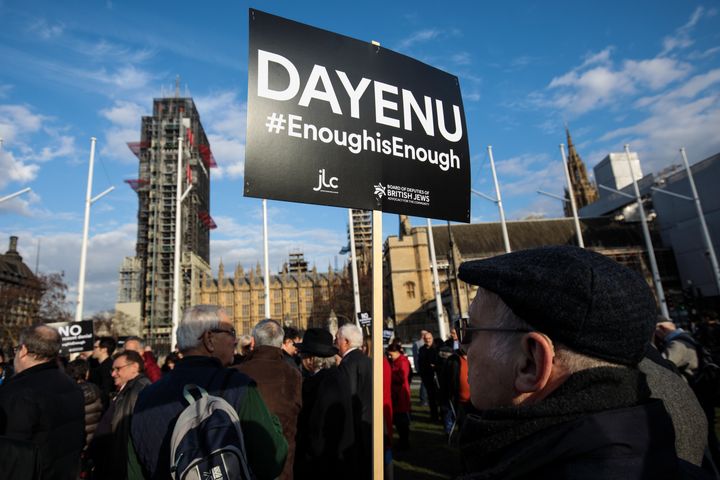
(89, 200)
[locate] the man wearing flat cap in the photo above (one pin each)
(554, 338)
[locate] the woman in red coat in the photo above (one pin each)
(400, 393)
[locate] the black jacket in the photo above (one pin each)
(109, 447)
(325, 431)
(357, 368)
(102, 377)
(600, 424)
(45, 406)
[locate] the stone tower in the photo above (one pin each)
(585, 192)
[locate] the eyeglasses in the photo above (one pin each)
(230, 331)
(117, 369)
(465, 333)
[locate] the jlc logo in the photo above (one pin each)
(323, 183)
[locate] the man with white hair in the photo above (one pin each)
(280, 384)
(207, 340)
(554, 339)
(357, 367)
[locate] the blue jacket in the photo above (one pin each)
(159, 405)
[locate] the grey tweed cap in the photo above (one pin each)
(578, 297)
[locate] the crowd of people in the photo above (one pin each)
(562, 370)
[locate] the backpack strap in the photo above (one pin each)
(193, 393)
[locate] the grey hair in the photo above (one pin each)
(268, 332)
(137, 339)
(502, 346)
(196, 321)
(352, 334)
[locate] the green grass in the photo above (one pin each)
(429, 456)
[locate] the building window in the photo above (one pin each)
(410, 289)
(246, 296)
(277, 310)
(261, 309)
(293, 307)
(246, 311)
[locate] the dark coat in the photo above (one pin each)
(93, 409)
(109, 447)
(45, 406)
(357, 368)
(325, 435)
(102, 377)
(280, 385)
(599, 424)
(428, 361)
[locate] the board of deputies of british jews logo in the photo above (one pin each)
(402, 194)
(326, 185)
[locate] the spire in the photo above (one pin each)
(584, 190)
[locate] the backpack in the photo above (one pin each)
(207, 441)
(705, 381)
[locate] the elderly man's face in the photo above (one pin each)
(428, 339)
(123, 371)
(342, 344)
(133, 345)
(491, 381)
(224, 340)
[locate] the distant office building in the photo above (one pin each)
(674, 219)
(157, 151)
(614, 171)
(584, 191)
(20, 293)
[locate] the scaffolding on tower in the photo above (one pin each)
(207, 220)
(207, 156)
(136, 147)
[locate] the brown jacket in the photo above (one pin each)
(280, 386)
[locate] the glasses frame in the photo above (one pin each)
(465, 332)
(117, 369)
(232, 332)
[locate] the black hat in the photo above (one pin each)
(578, 297)
(318, 342)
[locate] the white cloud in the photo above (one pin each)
(598, 83)
(461, 58)
(60, 252)
(124, 113)
(224, 118)
(47, 31)
(65, 147)
(15, 170)
(681, 38)
(18, 120)
(419, 37)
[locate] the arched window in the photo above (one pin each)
(410, 289)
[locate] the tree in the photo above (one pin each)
(54, 306)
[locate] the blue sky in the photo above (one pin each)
(644, 72)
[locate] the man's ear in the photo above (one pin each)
(207, 342)
(535, 363)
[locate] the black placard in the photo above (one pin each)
(365, 319)
(336, 121)
(75, 336)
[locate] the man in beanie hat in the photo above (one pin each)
(553, 340)
(325, 433)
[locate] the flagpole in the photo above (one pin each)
(703, 225)
(503, 224)
(356, 287)
(648, 240)
(571, 194)
(179, 197)
(436, 282)
(266, 256)
(86, 228)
